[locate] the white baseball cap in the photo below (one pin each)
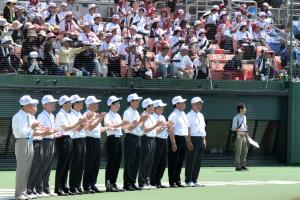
(26, 99)
(133, 96)
(197, 22)
(33, 54)
(196, 100)
(91, 99)
(97, 15)
(92, 6)
(66, 39)
(48, 99)
(76, 98)
(159, 103)
(178, 99)
(63, 99)
(147, 102)
(68, 13)
(113, 99)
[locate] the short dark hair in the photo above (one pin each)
(240, 106)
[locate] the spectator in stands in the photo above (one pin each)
(68, 24)
(115, 23)
(20, 15)
(235, 64)
(62, 10)
(178, 18)
(163, 66)
(17, 35)
(184, 68)
(5, 55)
(238, 19)
(258, 36)
(52, 17)
(133, 31)
(198, 25)
(74, 8)
(133, 61)
(154, 36)
(244, 39)
(89, 17)
(264, 65)
(224, 35)
(203, 41)
(140, 20)
(213, 16)
(123, 48)
(175, 40)
(49, 61)
(34, 66)
(87, 35)
(265, 8)
(29, 45)
(9, 10)
(202, 66)
(87, 61)
(97, 27)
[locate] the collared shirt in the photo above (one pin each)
(47, 120)
(150, 122)
(32, 120)
(112, 118)
(96, 132)
(180, 122)
(130, 115)
(237, 120)
(173, 40)
(66, 26)
(97, 28)
(243, 36)
(88, 18)
(89, 37)
(163, 134)
(75, 116)
(162, 59)
(112, 25)
(196, 123)
(20, 125)
(63, 119)
(185, 61)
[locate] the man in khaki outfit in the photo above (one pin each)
(239, 125)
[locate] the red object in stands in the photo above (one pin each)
(219, 51)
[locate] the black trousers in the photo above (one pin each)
(176, 159)
(77, 163)
(48, 151)
(35, 178)
(64, 153)
(147, 150)
(194, 159)
(92, 162)
(113, 148)
(131, 158)
(159, 161)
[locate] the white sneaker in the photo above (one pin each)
(52, 194)
(198, 185)
(190, 184)
(32, 196)
(145, 187)
(152, 186)
(43, 194)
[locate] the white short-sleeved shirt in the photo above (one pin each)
(75, 116)
(130, 115)
(150, 122)
(180, 122)
(47, 120)
(241, 36)
(20, 125)
(96, 132)
(163, 134)
(88, 19)
(173, 40)
(63, 119)
(162, 59)
(184, 61)
(196, 123)
(32, 120)
(112, 118)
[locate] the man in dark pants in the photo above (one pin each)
(63, 145)
(196, 142)
(160, 154)
(78, 151)
(93, 148)
(46, 118)
(113, 144)
(176, 142)
(131, 141)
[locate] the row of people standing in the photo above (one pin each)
(76, 139)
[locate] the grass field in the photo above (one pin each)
(260, 183)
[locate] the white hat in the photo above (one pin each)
(197, 22)
(223, 13)
(98, 15)
(48, 99)
(11, 1)
(50, 35)
(184, 47)
(116, 16)
(63, 99)
(262, 14)
(107, 35)
(113, 99)
(265, 4)
(133, 27)
(238, 14)
(43, 33)
(25, 100)
(159, 103)
(86, 24)
(92, 6)
(52, 5)
(147, 102)
(215, 7)
(193, 40)
(91, 99)
(177, 28)
(33, 54)
(132, 44)
(66, 39)
(196, 100)
(178, 99)
(63, 4)
(5, 39)
(68, 13)
(75, 98)
(202, 31)
(133, 96)
(181, 11)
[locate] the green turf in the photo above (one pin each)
(253, 192)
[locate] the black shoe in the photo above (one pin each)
(244, 168)
(95, 189)
(88, 191)
(173, 185)
(238, 169)
(179, 185)
(129, 188)
(136, 188)
(61, 193)
(161, 186)
(119, 189)
(71, 193)
(79, 190)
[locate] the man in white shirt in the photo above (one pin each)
(63, 145)
(131, 141)
(160, 154)
(196, 142)
(98, 26)
(177, 143)
(113, 144)
(239, 125)
(147, 147)
(162, 61)
(183, 64)
(115, 23)
(46, 119)
(93, 146)
(78, 149)
(89, 17)
(23, 132)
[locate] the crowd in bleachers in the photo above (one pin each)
(140, 40)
